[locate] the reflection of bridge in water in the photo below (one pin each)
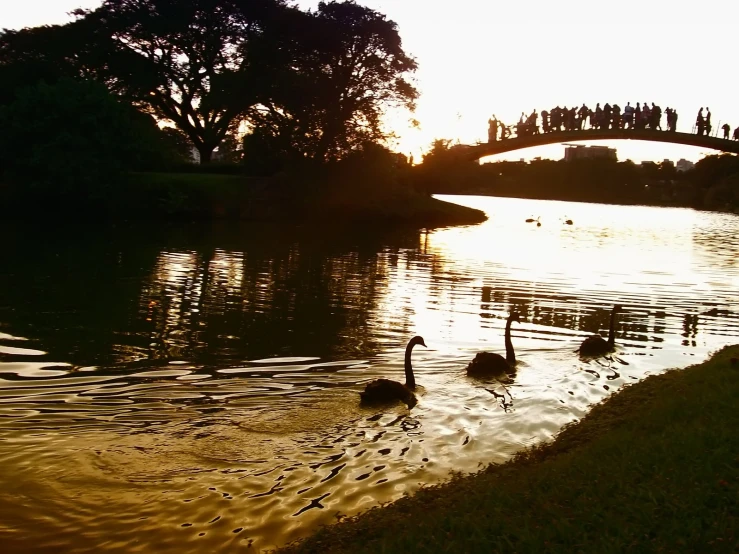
(475, 152)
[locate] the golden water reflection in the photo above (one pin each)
(182, 390)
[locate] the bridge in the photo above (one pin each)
(475, 152)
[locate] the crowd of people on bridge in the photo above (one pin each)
(609, 116)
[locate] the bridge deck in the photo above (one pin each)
(508, 145)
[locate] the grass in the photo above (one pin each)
(205, 196)
(654, 468)
(212, 196)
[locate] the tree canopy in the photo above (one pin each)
(330, 83)
(312, 84)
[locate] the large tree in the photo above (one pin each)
(184, 60)
(47, 53)
(331, 76)
(69, 141)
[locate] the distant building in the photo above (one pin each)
(668, 163)
(684, 165)
(580, 152)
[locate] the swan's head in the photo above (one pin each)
(617, 308)
(416, 340)
(514, 317)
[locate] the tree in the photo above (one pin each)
(47, 53)
(64, 144)
(185, 60)
(332, 75)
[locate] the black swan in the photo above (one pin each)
(595, 345)
(489, 364)
(385, 390)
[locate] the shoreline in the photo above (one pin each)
(222, 197)
(635, 202)
(653, 467)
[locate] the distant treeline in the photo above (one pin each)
(712, 185)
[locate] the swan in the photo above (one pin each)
(595, 345)
(491, 364)
(386, 390)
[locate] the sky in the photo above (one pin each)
(480, 57)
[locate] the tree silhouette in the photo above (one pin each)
(185, 60)
(47, 53)
(332, 74)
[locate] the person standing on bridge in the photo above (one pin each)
(492, 129)
(628, 117)
(656, 117)
(606, 116)
(708, 121)
(671, 116)
(726, 128)
(582, 114)
(616, 116)
(700, 122)
(545, 121)
(646, 115)
(736, 133)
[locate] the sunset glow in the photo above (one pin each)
(479, 58)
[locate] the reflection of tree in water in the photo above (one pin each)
(214, 293)
(565, 311)
(199, 292)
(300, 294)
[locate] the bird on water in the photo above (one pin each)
(490, 364)
(386, 390)
(594, 345)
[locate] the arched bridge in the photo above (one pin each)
(475, 152)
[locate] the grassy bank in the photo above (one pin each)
(237, 197)
(210, 196)
(654, 468)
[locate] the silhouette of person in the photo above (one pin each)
(708, 120)
(628, 116)
(581, 115)
(492, 129)
(726, 128)
(736, 133)
(700, 122)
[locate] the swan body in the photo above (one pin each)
(490, 364)
(386, 390)
(595, 345)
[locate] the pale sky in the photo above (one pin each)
(479, 57)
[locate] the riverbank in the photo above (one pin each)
(711, 185)
(653, 468)
(210, 196)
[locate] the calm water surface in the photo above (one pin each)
(192, 389)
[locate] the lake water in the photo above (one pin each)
(194, 388)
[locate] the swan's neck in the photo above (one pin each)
(611, 334)
(510, 355)
(410, 380)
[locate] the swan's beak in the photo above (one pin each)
(423, 344)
